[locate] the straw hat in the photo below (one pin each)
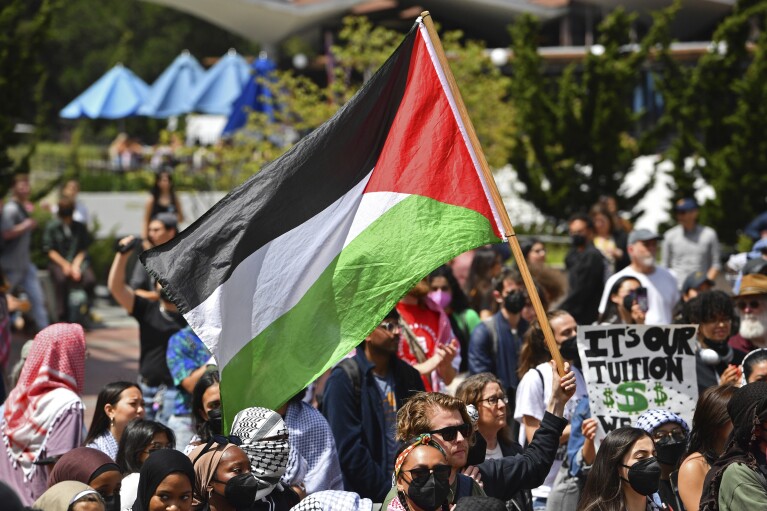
(753, 284)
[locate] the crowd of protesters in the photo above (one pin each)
(451, 402)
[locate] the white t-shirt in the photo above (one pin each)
(533, 395)
(128, 491)
(662, 293)
(494, 454)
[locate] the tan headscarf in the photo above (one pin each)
(205, 470)
(59, 496)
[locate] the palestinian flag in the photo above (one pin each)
(293, 269)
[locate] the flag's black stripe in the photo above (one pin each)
(307, 179)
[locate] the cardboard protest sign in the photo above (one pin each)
(630, 369)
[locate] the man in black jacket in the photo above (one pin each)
(360, 402)
(446, 418)
(586, 269)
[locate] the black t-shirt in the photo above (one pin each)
(155, 328)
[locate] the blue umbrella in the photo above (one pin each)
(117, 94)
(255, 96)
(220, 86)
(170, 93)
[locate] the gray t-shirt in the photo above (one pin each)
(684, 252)
(15, 255)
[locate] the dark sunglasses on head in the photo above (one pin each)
(450, 433)
(219, 440)
(441, 472)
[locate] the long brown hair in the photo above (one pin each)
(534, 350)
(709, 418)
(470, 392)
(604, 487)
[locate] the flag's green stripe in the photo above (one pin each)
(350, 297)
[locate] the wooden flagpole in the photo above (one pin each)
(540, 313)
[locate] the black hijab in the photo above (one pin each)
(747, 409)
(157, 467)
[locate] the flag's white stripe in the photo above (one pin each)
(461, 126)
(255, 295)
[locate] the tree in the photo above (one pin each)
(575, 134)
(717, 115)
(301, 105)
(24, 26)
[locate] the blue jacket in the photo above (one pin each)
(503, 364)
(358, 424)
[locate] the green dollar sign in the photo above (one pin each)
(660, 396)
(608, 401)
(633, 391)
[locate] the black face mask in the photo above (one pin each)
(669, 453)
(241, 491)
(215, 423)
(514, 302)
(578, 240)
(111, 503)
(431, 493)
(569, 348)
(644, 476)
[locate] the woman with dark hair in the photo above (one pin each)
(140, 439)
(118, 403)
(92, 467)
(611, 242)
(625, 474)
(624, 307)
(754, 366)
(736, 480)
(716, 362)
(206, 409)
(534, 390)
(163, 199)
(534, 252)
(485, 266)
(165, 482)
(446, 293)
(711, 426)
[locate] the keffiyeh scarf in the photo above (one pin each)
(265, 441)
(49, 385)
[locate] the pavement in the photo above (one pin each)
(112, 351)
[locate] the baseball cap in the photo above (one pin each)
(687, 204)
(695, 280)
(758, 248)
(642, 235)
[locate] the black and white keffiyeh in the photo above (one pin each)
(331, 500)
(265, 441)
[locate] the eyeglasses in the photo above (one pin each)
(154, 447)
(493, 400)
(450, 433)
(220, 440)
(677, 434)
(751, 304)
(392, 328)
(421, 474)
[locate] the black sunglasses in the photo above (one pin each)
(753, 304)
(220, 440)
(450, 433)
(441, 473)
